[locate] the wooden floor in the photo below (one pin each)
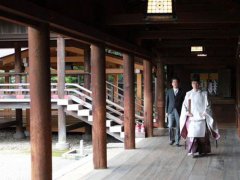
(155, 159)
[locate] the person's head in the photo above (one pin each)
(175, 82)
(195, 82)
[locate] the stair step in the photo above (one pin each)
(121, 134)
(116, 128)
(90, 118)
(109, 123)
(64, 102)
(73, 107)
(84, 112)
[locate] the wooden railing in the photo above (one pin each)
(85, 93)
(115, 93)
(20, 91)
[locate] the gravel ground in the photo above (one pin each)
(9, 143)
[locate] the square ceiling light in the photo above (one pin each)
(160, 7)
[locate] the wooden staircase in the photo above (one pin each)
(79, 105)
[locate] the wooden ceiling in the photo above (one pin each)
(214, 24)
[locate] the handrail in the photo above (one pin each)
(107, 101)
(78, 86)
(85, 94)
(15, 84)
(90, 98)
(138, 106)
(119, 98)
(107, 82)
(137, 98)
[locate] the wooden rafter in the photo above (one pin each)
(8, 60)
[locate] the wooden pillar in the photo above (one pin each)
(98, 79)
(129, 102)
(7, 78)
(19, 115)
(139, 91)
(115, 89)
(7, 81)
(87, 84)
(148, 98)
(40, 107)
(87, 68)
(238, 87)
(27, 131)
(62, 134)
(160, 108)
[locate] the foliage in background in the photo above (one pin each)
(71, 78)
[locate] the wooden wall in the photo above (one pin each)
(223, 108)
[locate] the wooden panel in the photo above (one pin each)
(225, 83)
(224, 113)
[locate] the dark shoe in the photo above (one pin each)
(178, 145)
(172, 142)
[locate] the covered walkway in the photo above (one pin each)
(153, 41)
(155, 159)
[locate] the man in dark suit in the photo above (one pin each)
(174, 99)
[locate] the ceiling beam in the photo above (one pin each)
(27, 13)
(191, 17)
(206, 43)
(188, 34)
(75, 50)
(20, 37)
(7, 60)
(199, 60)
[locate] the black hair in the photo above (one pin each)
(175, 78)
(196, 78)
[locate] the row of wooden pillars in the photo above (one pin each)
(40, 126)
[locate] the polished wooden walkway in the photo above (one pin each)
(155, 159)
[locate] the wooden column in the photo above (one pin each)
(238, 87)
(98, 79)
(129, 102)
(19, 115)
(62, 134)
(87, 84)
(27, 131)
(115, 89)
(160, 108)
(148, 98)
(7, 78)
(139, 91)
(40, 126)
(87, 68)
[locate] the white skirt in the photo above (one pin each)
(197, 128)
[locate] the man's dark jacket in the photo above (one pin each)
(173, 101)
